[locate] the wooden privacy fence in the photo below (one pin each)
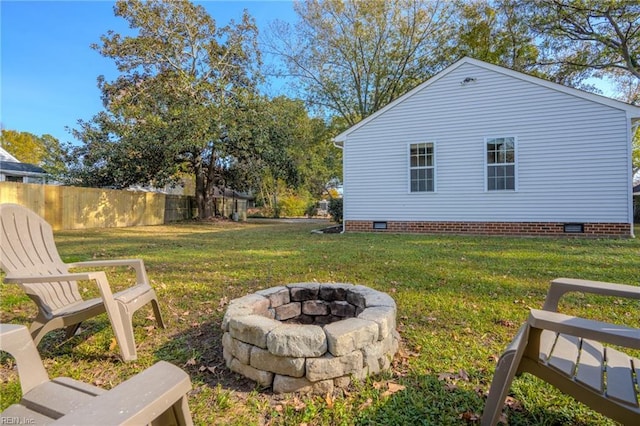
(69, 207)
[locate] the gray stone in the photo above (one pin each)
(384, 316)
(341, 308)
(322, 387)
(238, 349)
(303, 319)
(243, 306)
(288, 311)
(284, 384)
(297, 341)
(330, 292)
(226, 354)
(342, 382)
(330, 367)
(263, 378)
(252, 329)
(349, 335)
(277, 296)
(375, 356)
(257, 302)
(315, 307)
(373, 297)
(303, 291)
(264, 360)
(356, 297)
(235, 312)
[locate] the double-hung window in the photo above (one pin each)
(501, 164)
(422, 167)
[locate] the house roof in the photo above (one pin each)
(632, 111)
(20, 169)
(5, 156)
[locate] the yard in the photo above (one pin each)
(460, 301)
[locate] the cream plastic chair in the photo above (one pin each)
(570, 353)
(156, 396)
(29, 257)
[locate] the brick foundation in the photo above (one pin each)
(491, 228)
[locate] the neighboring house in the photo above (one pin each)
(486, 150)
(232, 204)
(12, 170)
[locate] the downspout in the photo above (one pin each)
(340, 145)
(634, 126)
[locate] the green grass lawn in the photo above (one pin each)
(460, 301)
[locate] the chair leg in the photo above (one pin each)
(125, 336)
(157, 313)
(506, 370)
(39, 328)
(71, 330)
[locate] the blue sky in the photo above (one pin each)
(48, 74)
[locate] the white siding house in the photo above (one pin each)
(483, 149)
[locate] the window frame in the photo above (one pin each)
(487, 140)
(432, 167)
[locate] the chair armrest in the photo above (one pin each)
(136, 264)
(139, 400)
(101, 281)
(560, 286)
(585, 328)
(80, 276)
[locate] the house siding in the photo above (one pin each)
(572, 155)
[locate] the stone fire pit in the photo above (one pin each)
(310, 337)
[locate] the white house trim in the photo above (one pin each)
(632, 111)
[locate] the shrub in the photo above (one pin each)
(335, 209)
(292, 206)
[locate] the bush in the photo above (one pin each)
(311, 210)
(335, 209)
(292, 206)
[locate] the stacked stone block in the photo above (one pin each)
(310, 337)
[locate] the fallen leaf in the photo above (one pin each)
(113, 344)
(297, 404)
(463, 375)
(329, 400)
(365, 404)
(514, 404)
(378, 385)
(192, 361)
(394, 387)
(469, 416)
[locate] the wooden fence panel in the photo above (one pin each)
(26, 194)
(68, 207)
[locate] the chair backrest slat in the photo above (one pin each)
(28, 249)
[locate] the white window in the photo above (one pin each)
(501, 164)
(422, 167)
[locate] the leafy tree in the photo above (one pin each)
(587, 37)
(44, 151)
(172, 108)
(289, 150)
(353, 57)
(494, 32)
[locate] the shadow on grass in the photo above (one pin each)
(198, 351)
